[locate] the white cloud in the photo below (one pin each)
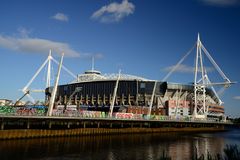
(185, 69)
(24, 32)
(60, 17)
(36, 45)
(221, 2)
(114, 12)
(236, 97)
(90, 55)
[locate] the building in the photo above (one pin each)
(4, 102)
(95, 91)
(178, 107)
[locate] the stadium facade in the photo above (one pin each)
(94, 91)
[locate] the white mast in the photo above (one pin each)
(48, 83)
(195, 78)
(199, 98)
(199, 86)
(52, 100)
(203, 87)
(92, 63)
(114, 94)
(152, 97)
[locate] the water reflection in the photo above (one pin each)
(117, 147)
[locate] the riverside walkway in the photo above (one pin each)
(35, 118)
(36, 126)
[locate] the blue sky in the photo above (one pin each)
(141, 37)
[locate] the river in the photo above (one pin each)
(119, 147)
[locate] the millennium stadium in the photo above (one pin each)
(95, 91)
(124, 93)
(93, 103)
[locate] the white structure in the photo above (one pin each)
(94, 75)
(52, 100)
(114, 94)
(4, 102)
(200, 101)
(201, 80)
(48, 62)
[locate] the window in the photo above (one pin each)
(65, 88)
(142, 85)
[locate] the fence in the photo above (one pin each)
(42, 110)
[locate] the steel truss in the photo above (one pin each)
(201, 80)
(47, 62)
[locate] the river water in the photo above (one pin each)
(119, 147)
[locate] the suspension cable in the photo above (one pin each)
(67, 70)
(177, 65)
(214, 63)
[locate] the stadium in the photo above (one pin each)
(94, 91)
